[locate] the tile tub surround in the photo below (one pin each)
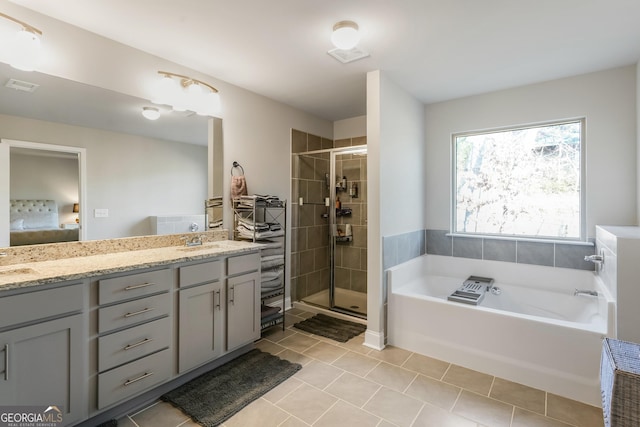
(54, 251)
(23, 275)
(354, 385)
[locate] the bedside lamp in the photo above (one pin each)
(76, 209)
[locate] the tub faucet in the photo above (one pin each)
(585, 292)
(597, 259)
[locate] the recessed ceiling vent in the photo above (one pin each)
(348, 55)
(20, 85)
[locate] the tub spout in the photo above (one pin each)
(598, 259)
(585, 292)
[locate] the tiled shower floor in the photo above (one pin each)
(344, 298)
(351, 385)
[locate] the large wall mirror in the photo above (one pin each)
(134, 169)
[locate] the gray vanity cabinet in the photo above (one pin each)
(42, 361)
(243, 300)
(200, 299)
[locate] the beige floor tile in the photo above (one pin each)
(269, 347)
(524, 418)
(356, 363)
(295, 357)
(385, 423)
(395, 407)
(276, 334)
(306, 314)
(258, 413)
(293, 422)
(188, 423)
(298, 342)
(394, 377)
(318, 374)
(425, 365)
(290, 320)
(468, 379)
(356, 344)
(353, 389)
(432, 416)
(126, 422)
(519, 395)
(344, 414)
(572, 412)
(161, 414)
(283, 389)
(296, 311)
(307, 403)
(325, 352)
(483, 410)
(434, 392)
(391, 354)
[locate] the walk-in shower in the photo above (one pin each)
(329, 228)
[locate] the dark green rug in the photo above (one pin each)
(331, 327)
(212, 398)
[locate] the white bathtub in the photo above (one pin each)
(536, 332)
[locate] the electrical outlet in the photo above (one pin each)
(101, 213)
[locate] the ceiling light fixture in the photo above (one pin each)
(345, 35)
(25, 50)
(186, 93)
(151, 113)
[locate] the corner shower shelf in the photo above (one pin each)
(343, 212)
(271, 211)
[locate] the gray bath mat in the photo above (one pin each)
(331, 327)
(212, 398)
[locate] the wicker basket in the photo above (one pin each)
(620, 383)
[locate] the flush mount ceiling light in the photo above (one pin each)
(151, 113)
(345, 35)
(184, 93)
(25, 49)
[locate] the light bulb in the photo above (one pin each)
(166, 90)
(345, 35)
(25, 53)
(151, 113)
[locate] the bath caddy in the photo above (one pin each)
(472, 290)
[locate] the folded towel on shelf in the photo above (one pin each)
(268, 275)
(271, 285)
(251, 225)
(271, 261)
(267, 310)
(259, 235)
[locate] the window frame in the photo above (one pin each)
(583, 190)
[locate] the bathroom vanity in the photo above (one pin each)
(91, 333)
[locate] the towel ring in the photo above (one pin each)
(237, 165)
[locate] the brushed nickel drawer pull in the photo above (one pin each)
(135, 313)
(233, 295)
(141, 377)
(219, 298)
(143, 285)
(144, 341)
(6, 362)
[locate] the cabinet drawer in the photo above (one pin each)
(32, 306)
(133, 343)
(243, 263)
(200, 273)
(132, 312)
(133, 286)
(133, 378)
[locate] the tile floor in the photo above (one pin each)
(351, 385)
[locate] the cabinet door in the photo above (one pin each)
(200, 325)
(43, 365)
(243, 310)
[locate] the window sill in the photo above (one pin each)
(522, 239)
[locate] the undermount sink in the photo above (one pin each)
(24, 270)
(199, 247)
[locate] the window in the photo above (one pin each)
(520, 182)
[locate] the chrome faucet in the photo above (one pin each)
(195, 240)
(585, 292)
(597, 259)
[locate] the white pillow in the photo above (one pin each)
(17, 224)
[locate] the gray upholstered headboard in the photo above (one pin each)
(33, 214)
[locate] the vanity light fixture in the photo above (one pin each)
(184, 93)
(151, 113)
(345, 35)
(25, 49)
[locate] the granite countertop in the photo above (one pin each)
(28, 274)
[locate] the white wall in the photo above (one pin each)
(350, 128)
(395, 168)
(638, 142)
(132, 176)
(46, 177)
(608, 101)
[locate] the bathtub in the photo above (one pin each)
(536, 332)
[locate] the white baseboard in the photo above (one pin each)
(374, 339)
